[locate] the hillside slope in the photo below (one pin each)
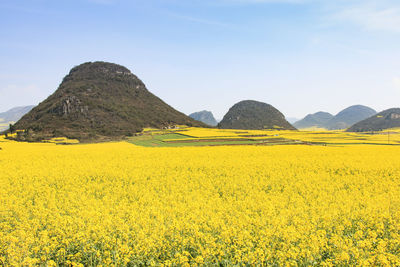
(97, 100)
(250, 114)
(386, 119)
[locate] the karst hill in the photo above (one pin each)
(349, 116)
(204, 116)
(100, 100)
(254, 115)
(386, 119)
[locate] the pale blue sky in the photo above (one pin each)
(301, 56)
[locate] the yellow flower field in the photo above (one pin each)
(390, 136)
(121, 204)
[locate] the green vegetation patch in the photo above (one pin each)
(179, 140)
(155, 140)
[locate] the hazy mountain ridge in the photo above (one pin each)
(350, 116)
(204, 116)
(344, 119)
(318, 119)
(12, 115)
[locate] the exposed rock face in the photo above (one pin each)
(386, 119)
(204, 116)
(394, 116)
(100, 99)
(250, 114)
(71, 105)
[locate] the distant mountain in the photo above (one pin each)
(15, 114)
(250, 114)
(386, 119)
(12, 115)
(319, 119)
(349, 116)
(204, 116)
(100, 100)
(291, 120)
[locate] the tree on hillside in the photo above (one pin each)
(12, 128)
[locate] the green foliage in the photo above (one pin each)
(12, 128)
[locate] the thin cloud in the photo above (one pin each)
(266, 1)
(396, 82)
(204, 21)
(103, 2)
(199, 20)
(372, 16)
(377, 15)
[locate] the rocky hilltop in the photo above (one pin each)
(204, 116)
(100, 100)
(386, 119)
(250, 114)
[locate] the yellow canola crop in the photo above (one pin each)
(62, 140)
(389, 136)
(119, 204)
